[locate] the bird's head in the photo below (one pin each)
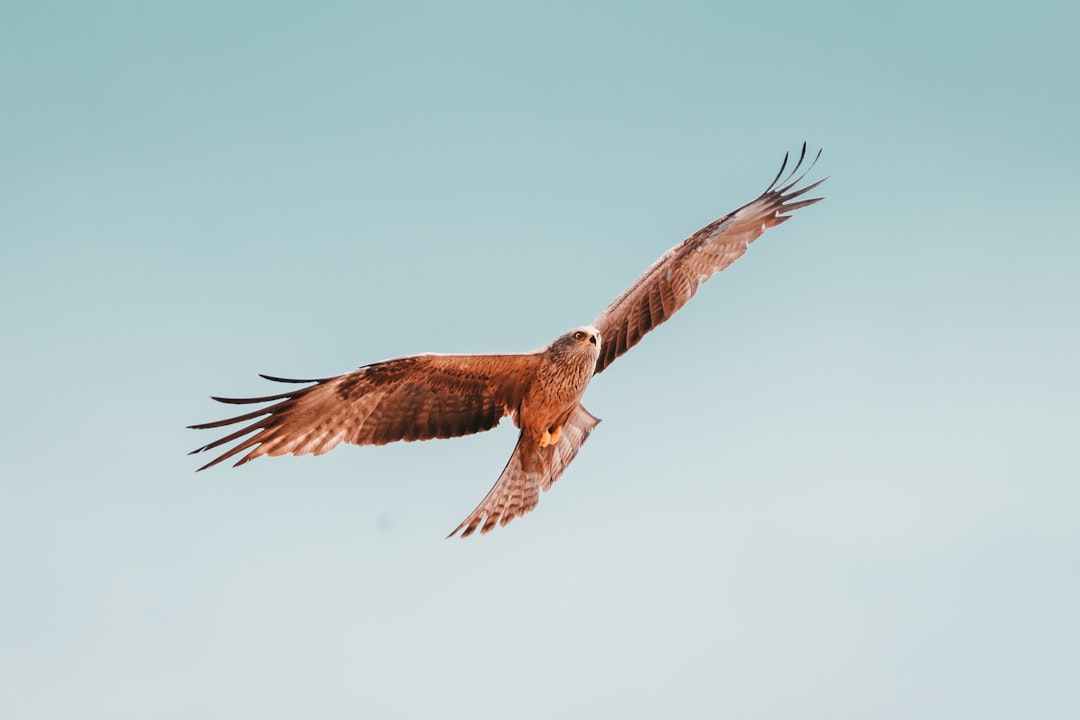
(582, 338)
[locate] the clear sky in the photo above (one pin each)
(841, 483)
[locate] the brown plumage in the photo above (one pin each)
(441, 396)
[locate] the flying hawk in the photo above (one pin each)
(421, 397)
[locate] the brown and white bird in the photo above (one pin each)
(428, 396)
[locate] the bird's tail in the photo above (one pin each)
(530, 470)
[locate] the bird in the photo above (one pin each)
(432, 395)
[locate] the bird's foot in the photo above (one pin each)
(550, 438)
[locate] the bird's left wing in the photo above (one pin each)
(674, 278)
(419, 397)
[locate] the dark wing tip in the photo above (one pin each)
(787, 183)
(274, 378)
(463, 530)
(279, 401)
(783, 166)
(268, 398)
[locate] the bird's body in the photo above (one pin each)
(421, 397)
(563, 371)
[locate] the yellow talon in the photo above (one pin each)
(550, 438)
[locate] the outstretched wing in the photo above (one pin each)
(674, 278)
(531, 469)
(412, 398)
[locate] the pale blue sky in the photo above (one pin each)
(841, 483)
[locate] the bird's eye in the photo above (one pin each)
(579, 335)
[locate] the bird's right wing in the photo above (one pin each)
(411, 398)
(674, 278)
